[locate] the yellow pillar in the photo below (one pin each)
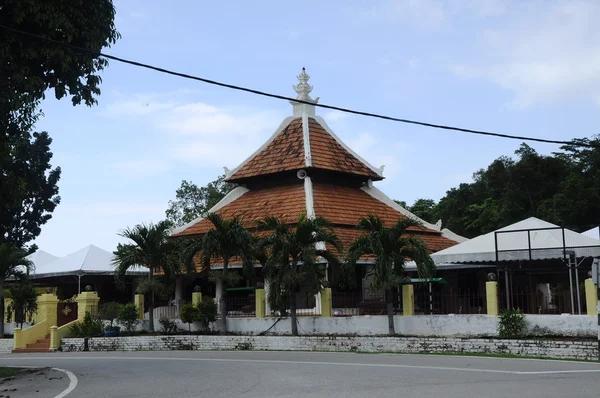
(491, 295)
(87, 302)
(591, 297)
(18, 339)
(139, 304)
(48, 308)
(408, 300)
(326, 302)
(54, 339)
(196, 298)
(260, 303)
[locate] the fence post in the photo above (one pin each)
(18, 339)
(259, 295)
(591, 297)
(48, 308)
(196, 298)
(326, 302)
(87, 302)
(408, 300)
(138, 300)
(54, 339)
(491, 295)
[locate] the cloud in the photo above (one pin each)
(547, 52)
(141, 167)
(426, 14)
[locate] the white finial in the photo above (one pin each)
(227, 171)
(381, 169)
(303, 90)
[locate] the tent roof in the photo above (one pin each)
(41, 258)
(545, 243)
(88, 260)
(592, 233)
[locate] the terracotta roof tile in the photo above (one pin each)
(328, 154)
(285, 201)
(285, 152)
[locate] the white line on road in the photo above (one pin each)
(72, 383)
(373, 365)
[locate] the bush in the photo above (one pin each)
(207, 313)
(91, 326)
(512, 324)
(128, 316)
(109, 311)
(189, 314)
(168, 326)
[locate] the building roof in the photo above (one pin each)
(514, 241)
(41, 258)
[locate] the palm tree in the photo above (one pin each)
(226, 240)
(150, 249)
(392, 248)
(294, 259)
(13, 263)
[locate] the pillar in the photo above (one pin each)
(138, 300)
(196, 298)
(87, 302)
(408, 300)
(267, 286)
(178, 294)
(326, 303)
(54, 339)
(218, 290)
(591, 297)
(48, 308)
(18, 339)
(260, 303)
(491, 295)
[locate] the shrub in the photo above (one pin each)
(512, 324)
(109, 311)
(190, 314)
(91, 326)
(128, 316)
(207, 313)
(168, 326)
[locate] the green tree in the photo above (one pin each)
(189, 314)
(34, 65)
(192, 201)
(128, 317)
(29, 191)
(226, 240)
(151, 249)
(296, 259)
(13, 262)
(424, 209)
(392, 248)
(24, 300)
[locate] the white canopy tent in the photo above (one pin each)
(592, 233)
(90, 260)
(530, 239)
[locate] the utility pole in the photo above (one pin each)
(596, 279)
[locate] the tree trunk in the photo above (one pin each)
(224, 296)
(151, 305)
(293, 314)
(390, 311)
(2, 309)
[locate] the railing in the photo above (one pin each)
(537, 303)
(240, 306)
(346, 303)
(450, 302)
(168, 312)
(58, 333)
(30, 335)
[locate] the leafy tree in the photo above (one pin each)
(207, 313)
(151, 249)
(189, 314)
(34, 65)
(13, 262)
(24, 300)
(392, 248)
(192, 201)
(109, 312)
(29, 191)
(226, 240)
(294, 261)
(128, 317)
(401, 203)
(424, 209)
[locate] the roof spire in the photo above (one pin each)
(303, 90)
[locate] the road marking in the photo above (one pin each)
(72, 378)
(72, 383)
(275, 361)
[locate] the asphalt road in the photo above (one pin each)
(302, 374)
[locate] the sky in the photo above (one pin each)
(516, 67)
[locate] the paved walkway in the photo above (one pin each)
(300, 374)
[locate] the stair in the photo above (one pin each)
(42, 345)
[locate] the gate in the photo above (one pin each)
(67, 312)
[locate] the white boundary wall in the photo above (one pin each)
(586, 350)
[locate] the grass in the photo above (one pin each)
(6, 372)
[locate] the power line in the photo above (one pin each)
(282, 97)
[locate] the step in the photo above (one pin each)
(38, 345)
(26, 350)
(43, 341)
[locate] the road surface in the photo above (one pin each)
(303, 374)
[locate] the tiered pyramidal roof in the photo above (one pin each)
(305, 168)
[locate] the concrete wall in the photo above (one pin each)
(550, 349)
(419, 325)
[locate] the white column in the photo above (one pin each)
(267, 306)
(178, 293)
(218, 290)
(318, 304)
